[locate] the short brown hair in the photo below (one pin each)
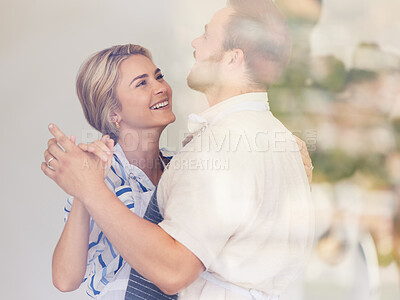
(260, 30)
(96, 85)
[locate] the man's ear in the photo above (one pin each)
(236, 57)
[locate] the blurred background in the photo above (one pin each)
(341, 94)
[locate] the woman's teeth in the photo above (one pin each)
(159, 105)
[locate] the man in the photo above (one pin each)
(235, 201)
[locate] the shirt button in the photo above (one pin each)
(131, 176)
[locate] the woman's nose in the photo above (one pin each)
(159, 88)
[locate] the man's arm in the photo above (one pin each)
(144, 245)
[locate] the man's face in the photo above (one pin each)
(209, 53)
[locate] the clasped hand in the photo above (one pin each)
(77, 169)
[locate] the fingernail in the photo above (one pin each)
(51, 126)
(90, 148)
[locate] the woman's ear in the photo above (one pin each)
(115, 117)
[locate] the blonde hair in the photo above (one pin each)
(96, 85)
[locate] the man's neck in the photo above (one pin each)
(217, 95)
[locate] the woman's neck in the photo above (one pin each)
(141, 148)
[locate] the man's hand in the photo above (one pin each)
(74, 170)
(305, 156)
(103, 149)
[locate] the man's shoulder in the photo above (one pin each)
(251, 122)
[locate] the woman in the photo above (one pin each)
(124, 95)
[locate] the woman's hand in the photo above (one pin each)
(305, 156)
(103, 149)
(77, 172)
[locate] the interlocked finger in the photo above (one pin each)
(61, 138)
(50, 160)
(55, 150)
(94, 149)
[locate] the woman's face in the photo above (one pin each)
(144, 95)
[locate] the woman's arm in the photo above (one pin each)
(144, 245)
(70, 254)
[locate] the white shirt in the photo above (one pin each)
(237, 196)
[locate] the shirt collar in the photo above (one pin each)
(120, 154)
(128, 167)
(198, 121)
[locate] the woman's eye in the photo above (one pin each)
(143, 82)
(160, 76)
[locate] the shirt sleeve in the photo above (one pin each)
(209, 194)
(67, 208)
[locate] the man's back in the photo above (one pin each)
(237, 196)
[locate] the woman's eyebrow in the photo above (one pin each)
(144, 76)
(139, 77)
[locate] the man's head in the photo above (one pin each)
(249, 37)
(206, 72)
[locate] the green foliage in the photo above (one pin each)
(373, 167)
(336, 164)
(333, 165)
(357, 75)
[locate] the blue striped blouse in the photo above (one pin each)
(132, 186)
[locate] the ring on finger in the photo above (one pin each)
(48, 162)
